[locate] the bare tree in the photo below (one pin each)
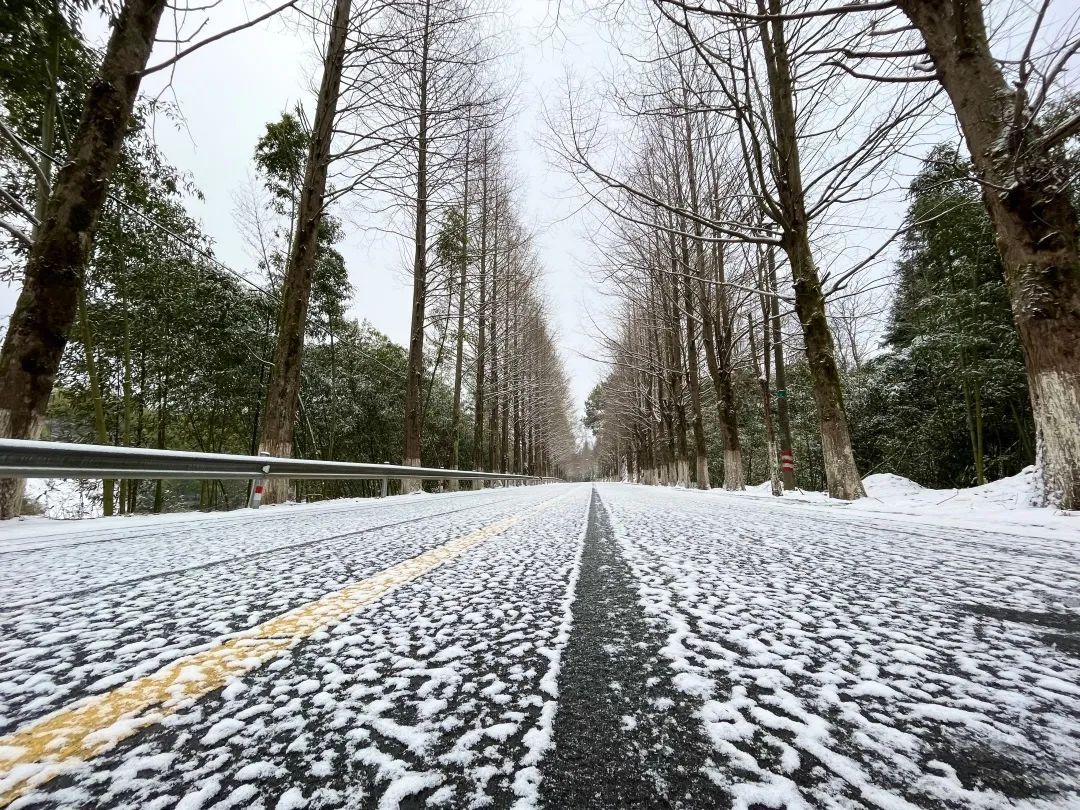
(741, 72)
(1001, 105)
(417, 102)
(283, 389)
(66, 210)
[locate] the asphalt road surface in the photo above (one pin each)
(560, 646)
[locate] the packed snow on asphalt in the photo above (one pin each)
(564, 646)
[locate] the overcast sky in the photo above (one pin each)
(229, 90)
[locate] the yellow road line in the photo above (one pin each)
(41, 749)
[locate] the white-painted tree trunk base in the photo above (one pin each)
(411, 484)
(1056, 408)
(733, 471)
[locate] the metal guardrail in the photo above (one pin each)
(33, 459)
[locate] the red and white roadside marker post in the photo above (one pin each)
(787, 458)
(258, 485)
(787, 462)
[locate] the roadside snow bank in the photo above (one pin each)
(1002, 506)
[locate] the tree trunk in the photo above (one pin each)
(841, 473)
(974, 422)
(256, 415)
(1034, 221)
(330, 450)
(763, 382)
(701, 456)
(519, 377)
(493, 338)
(413, 385)
(481, 334)
(459, 348)
(787, 453)
(504, 408)
(717, 338)
(283, 390)
(670, 299)
(55, 270)
(101, 432)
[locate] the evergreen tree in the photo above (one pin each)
(947, 405)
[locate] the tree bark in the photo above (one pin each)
(414, 381)
(1035, 224)
(519, 439)
(701, 456)
(481, 331)
(55, 270)
(459, 348)
(670, 298)
(504, 408)
(763, 382)
(493, 338)
(841, 473)
(283, 389)
(787, 453)
(717, 338)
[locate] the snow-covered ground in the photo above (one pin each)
(62, 498)
(843, 659)
(71, 525)
(1002, 506)
(729, 650)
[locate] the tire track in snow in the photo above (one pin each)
(151, 526)
(169, 572)
(623, 737)
(838, 665)
(53, 653)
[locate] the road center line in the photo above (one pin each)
(43, 748)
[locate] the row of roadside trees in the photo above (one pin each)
(755, 139)
(129, 331)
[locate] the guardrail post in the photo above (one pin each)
(258, 485)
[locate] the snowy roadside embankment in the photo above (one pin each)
(1001, 506)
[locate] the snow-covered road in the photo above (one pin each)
(558, 646)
